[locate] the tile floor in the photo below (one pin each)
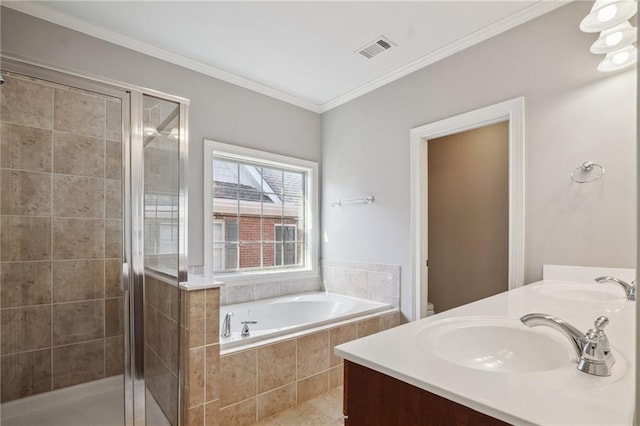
(323, 410)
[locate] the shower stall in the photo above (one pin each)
(93, 216)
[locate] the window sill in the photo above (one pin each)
(252, 277)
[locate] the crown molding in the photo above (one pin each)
(42, 12)
(531, 12)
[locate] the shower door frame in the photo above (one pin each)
(133, 273)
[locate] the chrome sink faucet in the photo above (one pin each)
(593, 350)
(630, 289)
(226, 325)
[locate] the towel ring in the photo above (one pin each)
(590, 170)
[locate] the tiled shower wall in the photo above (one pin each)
(365, 280)
(60, 237)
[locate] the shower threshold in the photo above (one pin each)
(97, 403)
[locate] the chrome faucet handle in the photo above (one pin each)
(630, 289)
(245, 328)
(593, 350)
(597, 358)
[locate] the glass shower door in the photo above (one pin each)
(61, 295)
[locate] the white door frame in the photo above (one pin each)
(512, 111)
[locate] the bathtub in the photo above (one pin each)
(292, 314)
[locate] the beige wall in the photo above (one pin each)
(573, 113)
(468, 216)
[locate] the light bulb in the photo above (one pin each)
(613, 39)
(607, 13)
(620, 58)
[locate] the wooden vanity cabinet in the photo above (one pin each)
(375, 399)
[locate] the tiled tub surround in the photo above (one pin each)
(60, 237)
(259, 382)
(200, 330)
(162, 343)
(370, 281)
(266, 289)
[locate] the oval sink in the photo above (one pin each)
(497, 345)
(586, 292)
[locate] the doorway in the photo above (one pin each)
(468, 215)
(511, 113)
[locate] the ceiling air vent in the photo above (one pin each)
(377, 46)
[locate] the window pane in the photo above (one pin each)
(250, 255)
(271, 180)
(293, 183)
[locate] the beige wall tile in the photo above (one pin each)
(78, 155)
(212, 378)
(196, 416)
(25, 283)
(78, 238)
(276, 401)
(237, 377)
(391, 320)
(78, 321)
(25, 329)
(113, 238)
(114, 120)
(25, 374)
(25, 148)
(336, 377)
(26, 102)
(113, 161)
(368, 326)
(313, 354)
(276, 365)
(313, 386)
(25, 193)
(212, 413)
(78, 363)
(164, 338)
(81, 113)
(113, 317)
(114, 356)
(196, 316)
(151, 327)
(25, 238)
(213, 316)
(112, 278)
(75, 196)
(196, 376)
(75, 280)
(113, 199)
(151, 291)
(338, 336)
(240, 414)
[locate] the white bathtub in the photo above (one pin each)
(291, 314)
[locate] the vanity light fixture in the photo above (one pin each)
(619, 59)
(606, 14)
(615, 38)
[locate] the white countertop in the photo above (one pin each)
(559, 396)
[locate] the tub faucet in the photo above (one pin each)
(593, 350)
(226, 325)
(245, 328)
(630, 289)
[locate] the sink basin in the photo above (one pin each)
(498, 345)
(585, 292)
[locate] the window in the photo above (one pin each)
(259, 213)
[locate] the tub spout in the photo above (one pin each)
(226, 325)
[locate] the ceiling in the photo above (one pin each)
(304, 53)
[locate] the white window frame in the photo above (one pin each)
(311, 233)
